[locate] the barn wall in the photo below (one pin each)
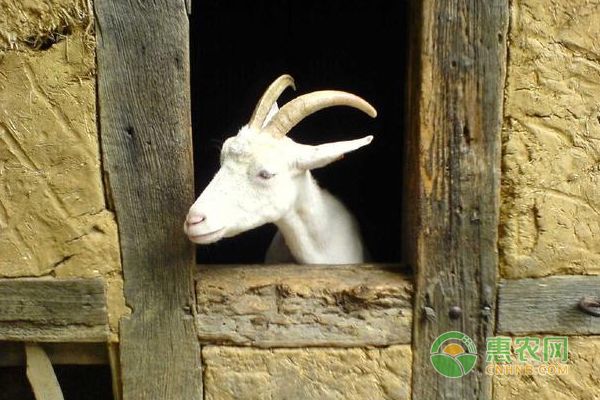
(580, 381)
(550, 215)
(309, 373)
(550, 221)
(53, 215)
(54, 219)
(293, 332)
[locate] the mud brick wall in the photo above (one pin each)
(580, 381)
(53, 215)
(550, 221)
(550, 216)
(305, 332)
(309, 373)
(55, 218)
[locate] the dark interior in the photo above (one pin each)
(77, 382)
(239, 48)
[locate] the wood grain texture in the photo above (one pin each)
(41, 374)
(453, 176)
(144, 102)
(547, 305)
(13, 353)
(298, 305)
(53, 310)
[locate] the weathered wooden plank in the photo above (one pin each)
(41, 374)
(296, 305)
(547, 305)
(144, 103)
(13, 353)
(53, 310)
(115, 371)
(453, 178)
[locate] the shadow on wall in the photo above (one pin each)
(238, 48)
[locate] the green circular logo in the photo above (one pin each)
(453, 354)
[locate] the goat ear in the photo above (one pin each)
(274, 110)
(312, 157)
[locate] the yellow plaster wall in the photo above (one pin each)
(54, 221)
(53, 216)
(307, 373)
(581, 381)
(550, 216)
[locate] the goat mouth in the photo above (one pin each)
(207, 238)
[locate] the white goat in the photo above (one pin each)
(265, 178)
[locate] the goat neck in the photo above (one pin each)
(305, 226)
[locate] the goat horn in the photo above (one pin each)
(301, 107)
(268, 98)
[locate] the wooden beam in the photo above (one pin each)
(547, 305)
(299, 305)
(145, 130)
(453, 179)
(53, 310)
(13, 353)
(115, 371)
(41, 374)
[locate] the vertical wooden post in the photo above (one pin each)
(41, 374)
(453, 155)
(144, 102)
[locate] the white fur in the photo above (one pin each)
(314, 227)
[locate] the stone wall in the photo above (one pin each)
(53, 215)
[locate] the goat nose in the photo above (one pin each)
(196, 219)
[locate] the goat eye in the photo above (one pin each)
(264, 174)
